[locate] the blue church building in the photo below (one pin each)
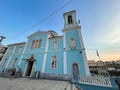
(47, 52)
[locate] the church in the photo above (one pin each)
(55, 57)
(47, 52)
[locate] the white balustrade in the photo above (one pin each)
(95, 80)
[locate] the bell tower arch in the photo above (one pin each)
(69, 19)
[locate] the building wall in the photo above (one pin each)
(74, 56)
(109, 68)
(55, 52)
(10, 55)
(66, 56)
(37, 52)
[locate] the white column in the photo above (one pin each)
(10, 58)
(45, 54)
(22, 53)
(84, 54)
(64, 53)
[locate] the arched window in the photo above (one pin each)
(39, 43)
(20, 49)
(54, 62)
(70, 19)
(76, 69)
(72, 43)
(14, 62)
(55, 45)
(36, 43)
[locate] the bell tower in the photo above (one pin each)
(70, 20)
(74, 56)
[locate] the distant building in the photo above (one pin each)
(2, 52)
(47, 52)
(97, 68)
(2, 47)
(109, 68)
(113, 67)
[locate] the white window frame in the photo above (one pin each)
(14, 62)
(72, 44)
(53, 61)
(55, 45)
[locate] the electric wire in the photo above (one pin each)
(44, 19)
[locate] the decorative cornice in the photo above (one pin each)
(16, 44)
(72, 27)
(69, 12)
(38, 32)
(57, 37)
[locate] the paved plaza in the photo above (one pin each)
(30, 84)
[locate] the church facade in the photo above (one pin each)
(47, 52)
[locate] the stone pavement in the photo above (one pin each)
(30, 84)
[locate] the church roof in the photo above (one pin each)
(38, 32)
(16, 44)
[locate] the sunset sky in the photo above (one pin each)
(100, 21)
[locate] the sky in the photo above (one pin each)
(99, 19)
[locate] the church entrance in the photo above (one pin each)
(29, 68)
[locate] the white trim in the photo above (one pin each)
(22, 57)
(64, 53)
(26, 67)
(45, 55)
(84, 54)
(22, 54)
(10, 58)
(3, 63)
(56, 38)
(51, 51)
(56, 62)
(25, 70)
(14, 62)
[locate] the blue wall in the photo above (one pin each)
(12, 53)
(57, 52)
(37, 52)
(74, 56)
